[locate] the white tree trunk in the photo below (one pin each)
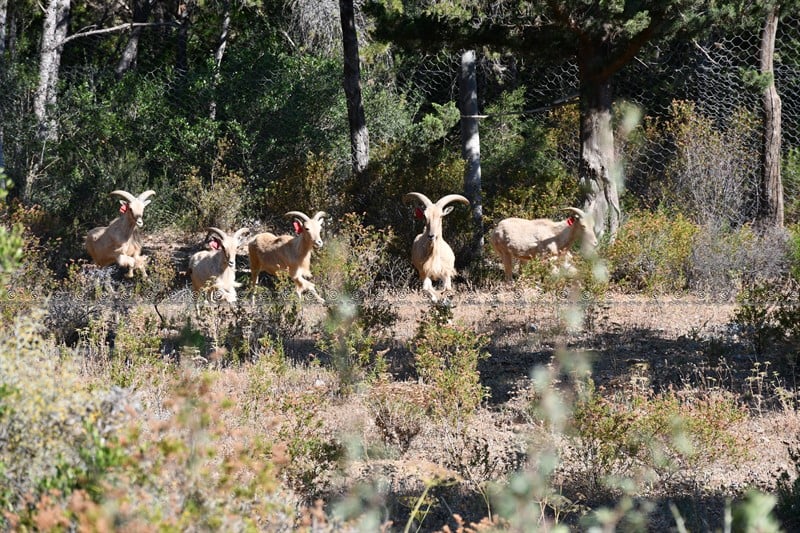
(55, 31)
(219, 53)
(3, 25)
(471, 147)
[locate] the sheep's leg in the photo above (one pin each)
(127, 261)
(508, 266)
(427, 286)
(139, 262)
(253, 284)
(303, 285)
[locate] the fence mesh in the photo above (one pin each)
(711, 74)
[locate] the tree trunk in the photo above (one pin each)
(600, 175)
(54, 32)
(3, 22)
(3, 25)
(181, 58)
(359, 135)
(770, 206)
(471, 148)
(141, 12)
(219, 53)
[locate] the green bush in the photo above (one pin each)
(50, 416)
(790, 176)
(523, 160)
(215, 200)
(350, 266)
(652, 252)
(446, 358)
(646, 434)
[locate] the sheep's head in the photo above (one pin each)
(584, 225)
(433, 212)
(226, 244)
(309, 228)
(133, 206)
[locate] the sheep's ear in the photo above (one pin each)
(123, 206)
(298, 227)
(447, 210)
(419, 213)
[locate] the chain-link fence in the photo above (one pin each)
(712, 75)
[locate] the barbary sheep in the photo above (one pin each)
(523, 239)
(271, 253)
(430, 254)
(119, 242)
(214, 271)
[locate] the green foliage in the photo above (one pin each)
(446, 358)
(769, 318)
(649, 434)
(652, 252)
(216, 200)
(11, 240)
(754, 513)
(790, 176)
(307, 186)
(135, 358)
(313, 451)
(524, 175)
(50, 414)
(350, 266)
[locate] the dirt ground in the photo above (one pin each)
(657, 343)
(660, 343)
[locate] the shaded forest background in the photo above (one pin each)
(234, 113)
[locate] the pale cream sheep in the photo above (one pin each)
(270, 253)
(523, 239)
(119, 242)
(430, 254)
(213, 271)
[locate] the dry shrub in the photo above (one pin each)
(446, 358)
(713, 175)
(723, 260)
(399, 410)
(652, 437)
(215, 200)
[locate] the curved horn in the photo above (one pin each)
(320, 214)
(145, 195)
(218, 231)
(578, 212)
(125, 195)
(298, 214)
(418, 196)
(240, 232)
(444, 200)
